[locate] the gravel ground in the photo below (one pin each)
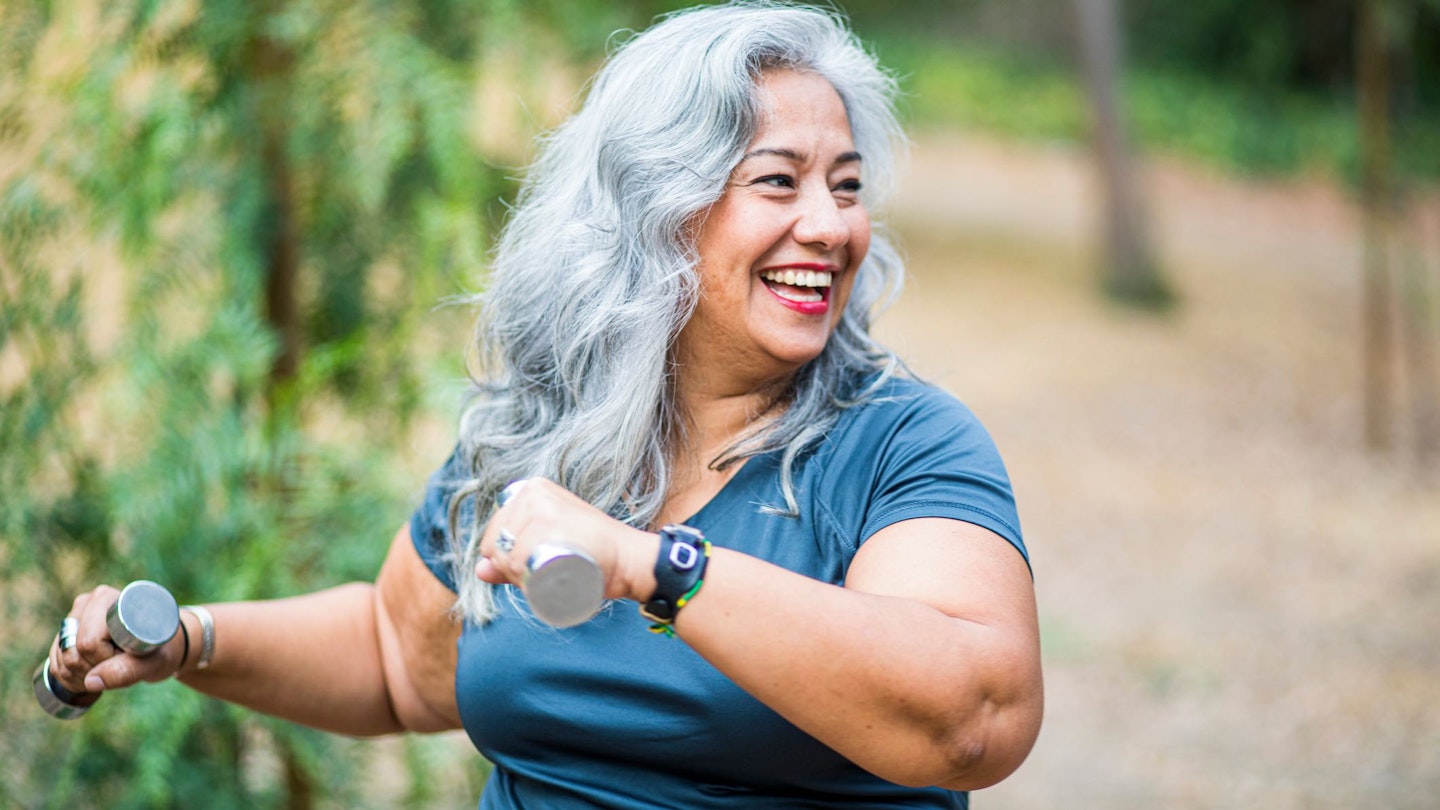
(1240, 604)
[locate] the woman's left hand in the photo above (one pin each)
(536, 511)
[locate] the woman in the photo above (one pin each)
(675, 342)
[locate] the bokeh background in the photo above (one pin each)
(1183, 260)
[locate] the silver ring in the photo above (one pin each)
(68, 628)
(505, 542)
(508, 493)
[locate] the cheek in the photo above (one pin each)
(859, 235)
(859, 248)
(840, 297)
(731, 241)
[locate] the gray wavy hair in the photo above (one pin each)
(595, 272)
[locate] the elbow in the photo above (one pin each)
(980, 755)
(972, 764)
(971, 761)
(967, 763)
(965, 756)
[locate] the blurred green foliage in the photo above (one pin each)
(1222, 125)
(1261, 88)
(1275, 82)
(163, 159)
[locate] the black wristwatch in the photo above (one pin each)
(679, 572)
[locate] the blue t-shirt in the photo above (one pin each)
(608, 714)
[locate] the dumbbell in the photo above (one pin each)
(563, 585)
(141, 621)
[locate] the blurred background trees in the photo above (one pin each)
(221, 224)
(1129, 269)
(1341, 89)
(225, 226)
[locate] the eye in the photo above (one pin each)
(849, 186)
(776, 180)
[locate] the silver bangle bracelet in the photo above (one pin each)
(207, 634)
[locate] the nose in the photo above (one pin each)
(820, 222)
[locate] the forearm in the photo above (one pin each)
(924, 669)
(313, 659)
(897, 686)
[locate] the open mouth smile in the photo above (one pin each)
(807, 289)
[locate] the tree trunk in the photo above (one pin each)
(271, 65)
(1130, 273)
(1420, 337)
(282, 310)
(1373, 108)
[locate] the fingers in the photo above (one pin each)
(527, 512)
(487, 571)
(498, 542)
(91, 639)
(535, 511)
(124, 670)
(92, 662)
(510, 491)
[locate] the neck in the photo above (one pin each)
(714, 418)
(717, 412)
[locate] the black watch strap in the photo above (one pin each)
(679, 571)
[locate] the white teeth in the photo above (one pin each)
(803, 278)
(798, 294)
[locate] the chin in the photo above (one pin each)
(796, 355)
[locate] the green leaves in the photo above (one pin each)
(160, 163)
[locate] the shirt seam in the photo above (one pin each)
(837, 528)
(882, 515)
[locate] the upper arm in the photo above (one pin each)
(974, 576)
(959, 568)
(418, 635)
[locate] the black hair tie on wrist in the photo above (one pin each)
(185, 650)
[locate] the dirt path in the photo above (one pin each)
(1241, 607)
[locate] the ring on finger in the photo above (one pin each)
(508, 493)
(68, 628)
(505, 541)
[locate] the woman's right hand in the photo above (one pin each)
(95, 664)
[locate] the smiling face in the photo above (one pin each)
(780, 248)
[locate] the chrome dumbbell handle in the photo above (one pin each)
(142, 620)
(563, 585)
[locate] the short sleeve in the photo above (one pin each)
(430, 525)
(935, 459)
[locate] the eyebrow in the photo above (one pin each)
(791, 154)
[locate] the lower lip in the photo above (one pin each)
(803, 307)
